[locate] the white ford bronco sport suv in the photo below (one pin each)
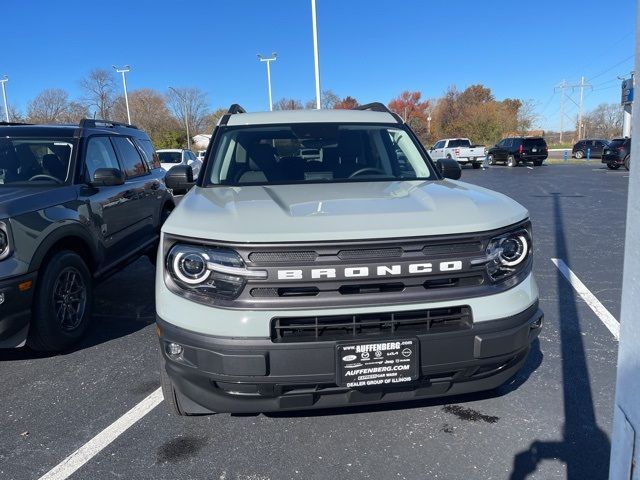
(361, 275)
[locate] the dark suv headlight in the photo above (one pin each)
(508, 254)
(209, 271)
(5, 247)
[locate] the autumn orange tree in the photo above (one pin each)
(414, 111)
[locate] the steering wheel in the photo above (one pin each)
(366, 170)
(44, 176)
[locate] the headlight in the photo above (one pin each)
(4, 241)
(209, 271)
(507, 254)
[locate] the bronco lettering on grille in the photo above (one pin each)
(375, 271)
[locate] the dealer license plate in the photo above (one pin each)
(390, 362)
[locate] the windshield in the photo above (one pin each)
(35, 160)
(316, 152)
(170, 157)
(616, 142)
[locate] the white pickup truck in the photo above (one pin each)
(459, 149)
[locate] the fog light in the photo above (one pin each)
(537, 324)
(174, 349)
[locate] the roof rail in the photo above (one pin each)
(96, 122)
(13, 124)
(233, 109)
(379, 107)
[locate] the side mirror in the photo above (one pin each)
(107, 177)
(179, 178)
(449, 168)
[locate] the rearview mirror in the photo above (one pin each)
(179, 178)
(449, 168)
(107, 177)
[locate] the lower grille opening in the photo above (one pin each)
(285, 292)
(448, 282)
(371, 288)
(340, 327)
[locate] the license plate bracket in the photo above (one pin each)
(380, 363)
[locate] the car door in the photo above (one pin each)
(500, 152)
(108, 207)
(141, 191)
(598, 148)
(438, 150)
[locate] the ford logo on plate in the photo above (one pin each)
(349, 358)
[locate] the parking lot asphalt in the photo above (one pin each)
(552, 421)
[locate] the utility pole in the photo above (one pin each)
(582, 87)
(268, 61)
(625, 437)
(4, 80)
(316, 61)
(124, 70)
(561, 87)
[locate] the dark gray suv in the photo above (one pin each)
(77, 203)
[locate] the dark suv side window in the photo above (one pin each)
(147, 149)
(132, 162)
(100, 154)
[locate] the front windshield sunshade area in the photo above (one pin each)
(34, 160)
(311, 152)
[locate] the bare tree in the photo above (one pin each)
(328, 100)
(210, 120)
(288, 104)
(53, 106)
(605, 121)
(190, 102)
(152, 116)
(99, 91)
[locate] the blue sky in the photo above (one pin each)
(369, 49)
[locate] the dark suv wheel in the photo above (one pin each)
(579, 154)
(627, 161)
(613, 165)
(511, 161)
(62, 305)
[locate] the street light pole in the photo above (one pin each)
(124, 70)
(268, 61)
(4, 80)
(186, 114)
(316, 61)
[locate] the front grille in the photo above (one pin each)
(280, 257)
(370, 253)
(452, 248)
(342, 327)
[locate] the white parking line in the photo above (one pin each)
(603, 314)
(94, 446)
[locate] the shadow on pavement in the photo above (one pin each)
(118, 311)
(584, 447)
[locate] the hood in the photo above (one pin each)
(341, 211)
(18, 200)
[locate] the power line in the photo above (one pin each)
(612, 67)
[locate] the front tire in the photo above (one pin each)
(491, 160)
(627, 162)
(613, 166)
(475, 165)
(62, 304)
(511, 161)
(579, 154)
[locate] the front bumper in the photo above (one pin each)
(221, 374)
(15, 309)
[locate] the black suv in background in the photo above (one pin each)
(593, 147)
(617, 153)
(77, 203)
(515, 150)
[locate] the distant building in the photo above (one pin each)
(201, 141)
